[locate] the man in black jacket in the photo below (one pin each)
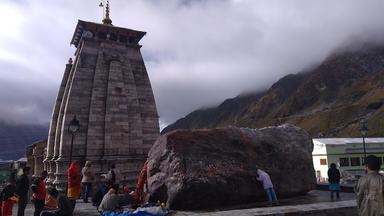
(22, 187)
(334, 180)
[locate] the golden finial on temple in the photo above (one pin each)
(106, 19)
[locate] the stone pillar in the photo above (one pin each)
(38, 157)
(49, 161)
(76, 104)
(61, 174)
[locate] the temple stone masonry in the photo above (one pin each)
(108, 90)
(36, 152)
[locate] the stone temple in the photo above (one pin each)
(108, 90)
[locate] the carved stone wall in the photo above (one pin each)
(35, 154)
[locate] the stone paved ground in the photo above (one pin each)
(339, 208)
(315, 196)
(81, 209)
(316, 199)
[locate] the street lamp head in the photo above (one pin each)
(364, 129)
(74, 125)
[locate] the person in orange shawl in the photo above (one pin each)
(139, 195)
(74, 181)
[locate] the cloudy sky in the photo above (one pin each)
(197, 52)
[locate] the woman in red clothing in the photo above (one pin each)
(8, 198)
(74, 181)
(39, 193)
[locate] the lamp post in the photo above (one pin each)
(73, 127)
(364, 131)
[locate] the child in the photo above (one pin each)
(8, 197)
(51, 200)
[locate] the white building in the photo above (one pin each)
(346, 153)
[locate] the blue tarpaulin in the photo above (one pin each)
(136, 213)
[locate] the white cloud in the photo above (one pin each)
(197, 52)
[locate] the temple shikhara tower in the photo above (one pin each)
(107, 89)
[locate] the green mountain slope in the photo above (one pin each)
(330, 100)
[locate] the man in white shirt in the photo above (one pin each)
(110, 201)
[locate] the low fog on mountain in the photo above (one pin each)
(197, 53)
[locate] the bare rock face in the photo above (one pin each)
(207, 168)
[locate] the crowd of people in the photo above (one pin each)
(48, 201)
(109, 198)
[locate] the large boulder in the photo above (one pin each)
(206, 168)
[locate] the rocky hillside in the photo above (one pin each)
(14, 139)
(331, 100)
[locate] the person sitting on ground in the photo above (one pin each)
(51, 199)
(65, 208)
(110, 202)
(370, 189)
(7, 196)
(267, 185)
(98, 197)
(334, 180)
(126, 198)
